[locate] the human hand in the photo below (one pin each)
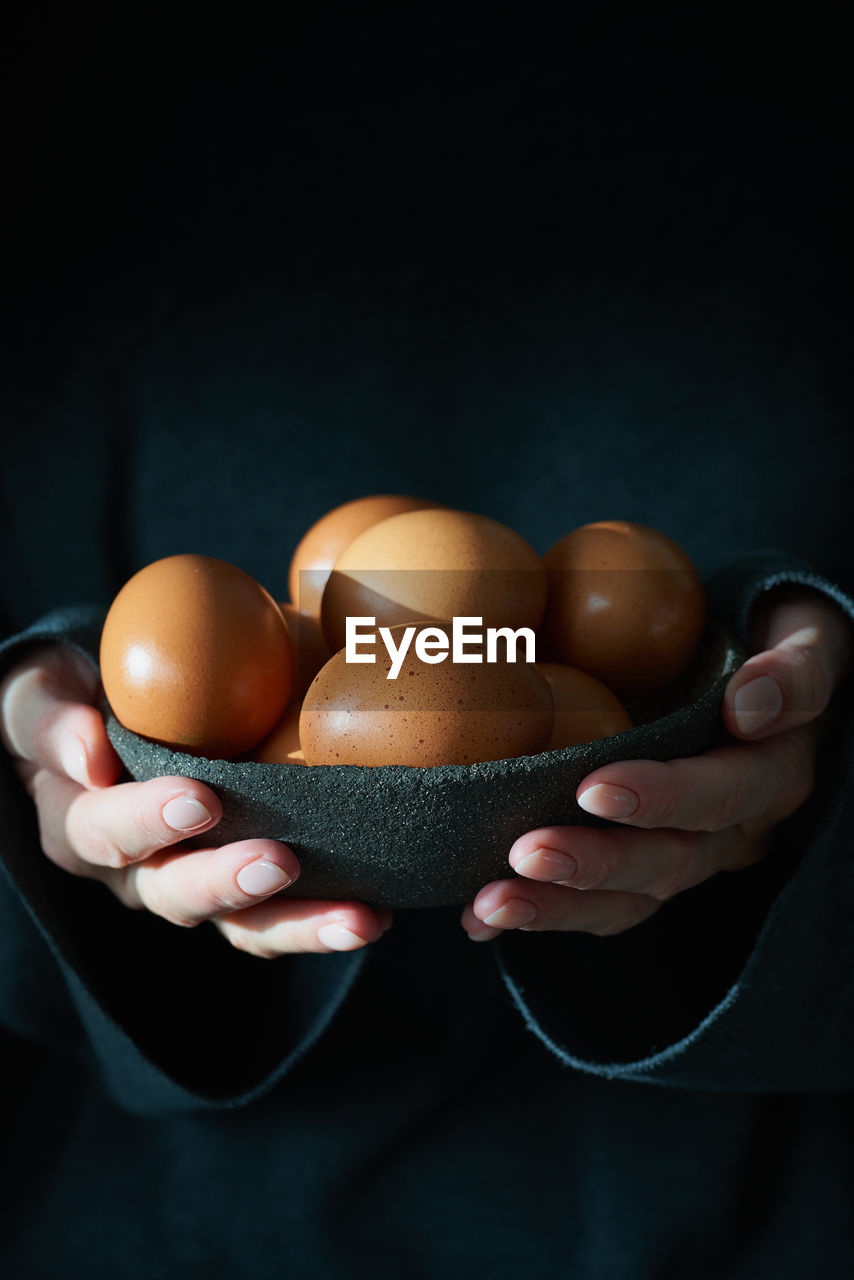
(128, 835)
(683, 821)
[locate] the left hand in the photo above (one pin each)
(683, 821)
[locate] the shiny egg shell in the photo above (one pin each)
(196, 655)
(309, 646)
(585, 709)
(625, 604)
(435, 565)
(328, 537)
(430, 714)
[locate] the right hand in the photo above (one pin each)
(128, 835)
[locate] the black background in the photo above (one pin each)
(447, 234)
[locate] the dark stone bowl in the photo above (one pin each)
(405, 837)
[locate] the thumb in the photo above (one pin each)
(48, 717)
(805, 645)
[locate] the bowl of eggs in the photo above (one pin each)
(431, 689)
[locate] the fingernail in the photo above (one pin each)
(72, 753)
(339, 938)
(799, 639)
(185, 814)
(757, 704)
(560, 866)
(513, 915)
(605, 801)
(482, 935)
(260, 878)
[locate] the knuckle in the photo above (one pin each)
(632, 911)
(159, 903)
(245, 940)
(97, 847)
(730, 795)
(610, 928)
(177, 915)
(88, 836)
(55, 850)
(598, 866)
(149, 832)
(122, 887)
(180, 918)
(223, 902)
(659, 809)
(681, 868)
(40, 734)
(809, 681)
(112, 857)
(749, 844)
(38, 783)
(98, 840)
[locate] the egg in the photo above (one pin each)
(432, 713)
(435, 564)
(323, 543)
(196, 655)
(625, 604)
(308, 644)
(585, 710)
(282, 745)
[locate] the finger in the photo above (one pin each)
(132, 820)
(184, 886)
(189, 886)
(47, 717)
(283, 926)
(806, 645)
(658, 864)
(538, 908)
(725, 786)
(53, 795)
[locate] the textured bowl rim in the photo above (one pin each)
(731, 655)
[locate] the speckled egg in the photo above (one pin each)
(431, 713)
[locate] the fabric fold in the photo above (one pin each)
(154, 1009)
(734, 985)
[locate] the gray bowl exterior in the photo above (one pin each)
(403, 837)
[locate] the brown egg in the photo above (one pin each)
(309, 646)
(584, 708)
(282, 746)
(430, 714)
(196, 655)
(324, 542)
(435, 565)
(625, 604)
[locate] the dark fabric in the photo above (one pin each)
(549, 280)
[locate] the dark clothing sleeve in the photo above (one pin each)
(146, 1000)
(744, 984)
